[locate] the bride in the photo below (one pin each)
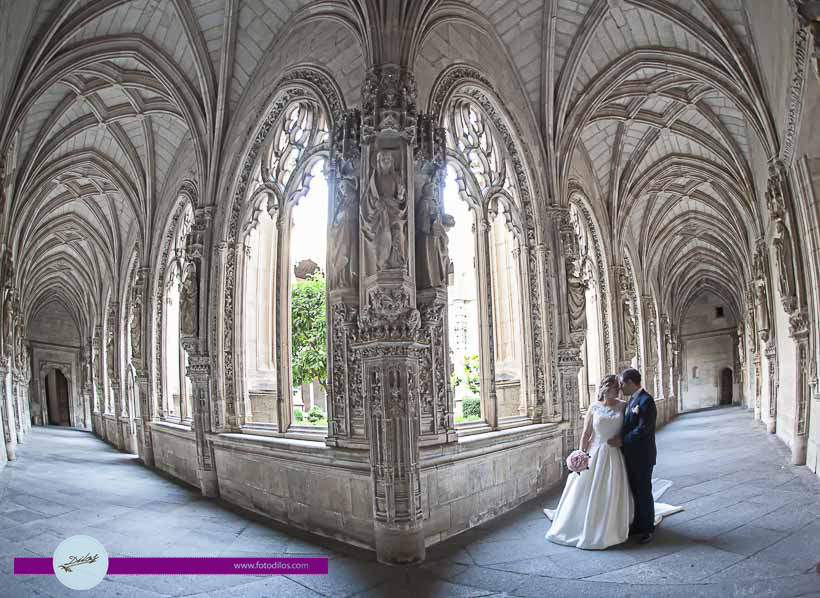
(596, 506)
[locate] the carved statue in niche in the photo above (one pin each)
(95, 368)
(2, 184)
(762, 311)
(18, 345)
(109, 354)
(130, 390)
(8, 317)
(344, 241)
(785, 266)
(741, 355)
(189, 300)
(431, 239)
(653, 341)
(384, 217)
(135, 326)
(630, 330)
(576, 295)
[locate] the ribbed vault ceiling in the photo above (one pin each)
(661, 99)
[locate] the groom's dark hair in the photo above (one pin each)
(631, 374)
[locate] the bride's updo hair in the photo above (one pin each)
(604, 386)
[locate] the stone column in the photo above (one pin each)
(650, 373)
(569, 364)
(97, 366)
(625, 317)
(544, 409)
(771, 361)
(198, 369)
(573, 329)
(7, 412)
(799, 331)
(113, 367)
(18, 406)
(140, 355)
(199, 372)
(24, 387)
(389, 327)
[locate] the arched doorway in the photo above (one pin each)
(726, 386)
(57, 399)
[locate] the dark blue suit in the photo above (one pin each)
(638, 434)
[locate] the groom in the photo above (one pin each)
(638, 442)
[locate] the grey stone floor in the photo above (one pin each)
(751, 528)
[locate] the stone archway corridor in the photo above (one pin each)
(751, 528)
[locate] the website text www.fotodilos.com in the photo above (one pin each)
(81, 562)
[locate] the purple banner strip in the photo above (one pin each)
(189, 566)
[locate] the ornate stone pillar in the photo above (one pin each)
(140, 356)
(793, 292)
(199, 373)
(774, 383)
(677, 395)
(193, 341)
(574, 329)
(650, 372)
(112, 365)
(7, 412)
(97, 366)
(347, 425)
(18, 405)
(388, 341)
(487, 340)
(24, 387)
(540, 261)
(626, 317)
(799, 331)
(569, 363)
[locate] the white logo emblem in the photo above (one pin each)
(80, 562)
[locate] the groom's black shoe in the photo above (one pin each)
(646, 538)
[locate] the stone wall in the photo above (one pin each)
(175, 451)
(329, 491)
(710, 355)
(298, 483)
(708, 348)
(54, 325)
(486, 475)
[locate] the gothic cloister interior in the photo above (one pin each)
(347, 274)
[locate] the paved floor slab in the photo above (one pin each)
(751, 528)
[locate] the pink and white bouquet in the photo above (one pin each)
(578, 461)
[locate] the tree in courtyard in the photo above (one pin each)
(308, 318)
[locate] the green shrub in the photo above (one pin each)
(315, 415)
(471, 407)
(298, 415)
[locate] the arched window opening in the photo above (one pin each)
(176, 385)
(508, 330)
(592, 371)
(258, 322)
(488, 339)
(308, 303)
(592, 347)
(462, 305)
(284, 296)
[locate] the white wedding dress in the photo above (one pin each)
(597, 507)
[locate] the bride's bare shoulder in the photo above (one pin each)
(621, 404)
